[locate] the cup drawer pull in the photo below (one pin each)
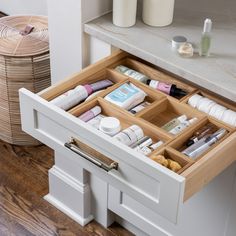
(106, 163)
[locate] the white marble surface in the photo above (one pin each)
(216, 73)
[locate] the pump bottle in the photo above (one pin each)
(206, 39)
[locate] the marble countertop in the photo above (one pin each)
(216, 73)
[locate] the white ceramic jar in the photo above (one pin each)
(124, 12)
(158, 12)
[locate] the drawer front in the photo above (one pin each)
(153, 185)
(135, 212)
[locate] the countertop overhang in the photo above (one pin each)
(216, 73)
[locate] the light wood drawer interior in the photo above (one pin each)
(162, 109)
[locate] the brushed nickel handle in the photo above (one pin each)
(73, 146)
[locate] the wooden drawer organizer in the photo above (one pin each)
(162, 109)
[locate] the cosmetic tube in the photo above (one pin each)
(179, 128)
(90, 114)
(139, 107)
(95, 122)
(199, 134)
(132, 73)
(74, 96)
(156, 145)
(173, 123)
(102, 84)
(204, 144)
(146, 143)
(146, 150)
(169, 89)
(139, 142)
(71, 97)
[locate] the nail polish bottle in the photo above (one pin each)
(206, 39)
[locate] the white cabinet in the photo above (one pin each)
(138, 182)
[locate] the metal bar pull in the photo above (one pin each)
(76, 146)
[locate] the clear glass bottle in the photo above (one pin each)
(206, 39)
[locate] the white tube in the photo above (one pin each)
(158, 12)
(124, 12)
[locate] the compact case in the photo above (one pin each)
(125, 170)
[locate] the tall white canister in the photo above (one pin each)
(158, 12)
(124, 12)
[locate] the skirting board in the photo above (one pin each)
(59, 205)
(127, 225)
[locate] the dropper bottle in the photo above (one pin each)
(206, 39)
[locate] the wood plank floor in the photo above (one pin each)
(23, 183)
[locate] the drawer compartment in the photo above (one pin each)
(155, 186)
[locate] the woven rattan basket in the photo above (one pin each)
(24, 62)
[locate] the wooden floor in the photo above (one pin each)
(23, 183)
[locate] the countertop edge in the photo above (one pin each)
(188, 76)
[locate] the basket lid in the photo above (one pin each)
(22, 36)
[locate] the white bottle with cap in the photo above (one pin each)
(206, 39)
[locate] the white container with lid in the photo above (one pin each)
(110, 126)
(158, 12)
(124, 12)
(177, 41)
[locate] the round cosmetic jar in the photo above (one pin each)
(110, 126)
(177, 41)
(186, 50)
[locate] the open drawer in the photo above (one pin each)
(135, 174)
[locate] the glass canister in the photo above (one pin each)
(158, 12)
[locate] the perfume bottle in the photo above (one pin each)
(206, 39)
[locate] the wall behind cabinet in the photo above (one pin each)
(36, 7)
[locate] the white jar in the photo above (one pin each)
(110, 126)
(124, 12)
(158, 12)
